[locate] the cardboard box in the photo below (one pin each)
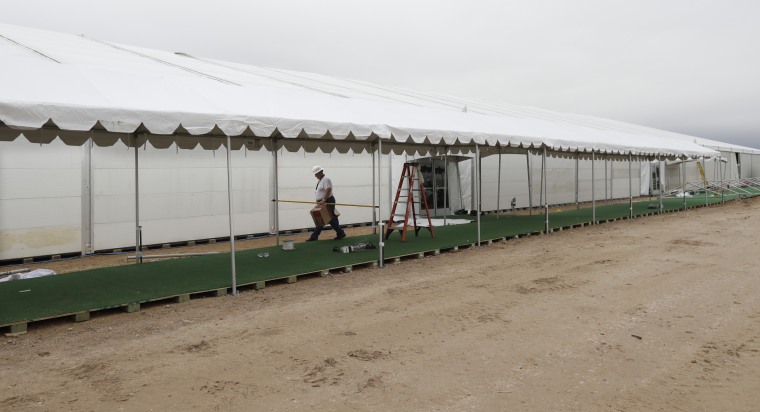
(321, 215)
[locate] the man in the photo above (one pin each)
(324, 194)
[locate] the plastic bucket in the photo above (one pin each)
(287, 245)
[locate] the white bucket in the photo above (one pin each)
(287, 245)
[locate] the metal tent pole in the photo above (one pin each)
(545, 194)
(541, 186)
(477, 187)
(435, 184)
(577, 199)
(498, 188)
(661, 175)
(593, 190)
(88, 241)
(683, 182)
(138, 228)
(480, 184)
(715, 169)
(459, 185)
(704, 180)
(720, 172)
(275, 181)
(374, 209)
(530, 183)
(446, 184)
(630, 187)
(390, 179)
(380, 242)
(612, 179)
(232, 219)
(606, 180)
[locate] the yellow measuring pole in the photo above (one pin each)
(314, 203)
(702, 173)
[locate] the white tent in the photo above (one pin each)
(85, 91)
(73, 85)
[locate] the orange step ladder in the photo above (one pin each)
(412, 186)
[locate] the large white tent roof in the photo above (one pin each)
(73, 87)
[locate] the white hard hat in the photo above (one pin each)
(316, 169)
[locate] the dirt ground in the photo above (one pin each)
(657, 313)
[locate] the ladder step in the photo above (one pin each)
(412, 187)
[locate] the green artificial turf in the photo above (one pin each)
(97, 289)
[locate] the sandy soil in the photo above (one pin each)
(658, 313)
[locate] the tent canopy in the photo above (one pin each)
(75, 88)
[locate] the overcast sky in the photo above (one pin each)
(688, 66)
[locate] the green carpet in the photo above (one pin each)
(97, 289)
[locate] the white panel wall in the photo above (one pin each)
(40, 189)
(746, 165)
(560, 180)
(183, 194)
(351, 175)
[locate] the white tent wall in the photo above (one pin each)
(560, 181)
(644, 169)
(584, 180)
(183, 194)
(514, 177)
(619, 184)
(351, 174)
(745, 170)
(731, 167)
(690, 171)
(456, 196)
(466, 178)
(40, 198)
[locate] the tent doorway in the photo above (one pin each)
(443, 193)
(655, 184)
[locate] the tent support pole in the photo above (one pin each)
(374, 202)
(541, 184)
(704, 181)
(446, 183)
(498, 188)
(683, 181)
(720, 172)
(459, 185)
(577, 200)
(275, 173)
(435, 182)
(380, 243)
(477, 187)
(630, 187)
(659, 183)
(606, 180)
(715, 169)
(545, 193)
(612, 180)
(390, 180)
(593, 190)
(138, 228)
(232, 218)
(88, 242)
(530, 183)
